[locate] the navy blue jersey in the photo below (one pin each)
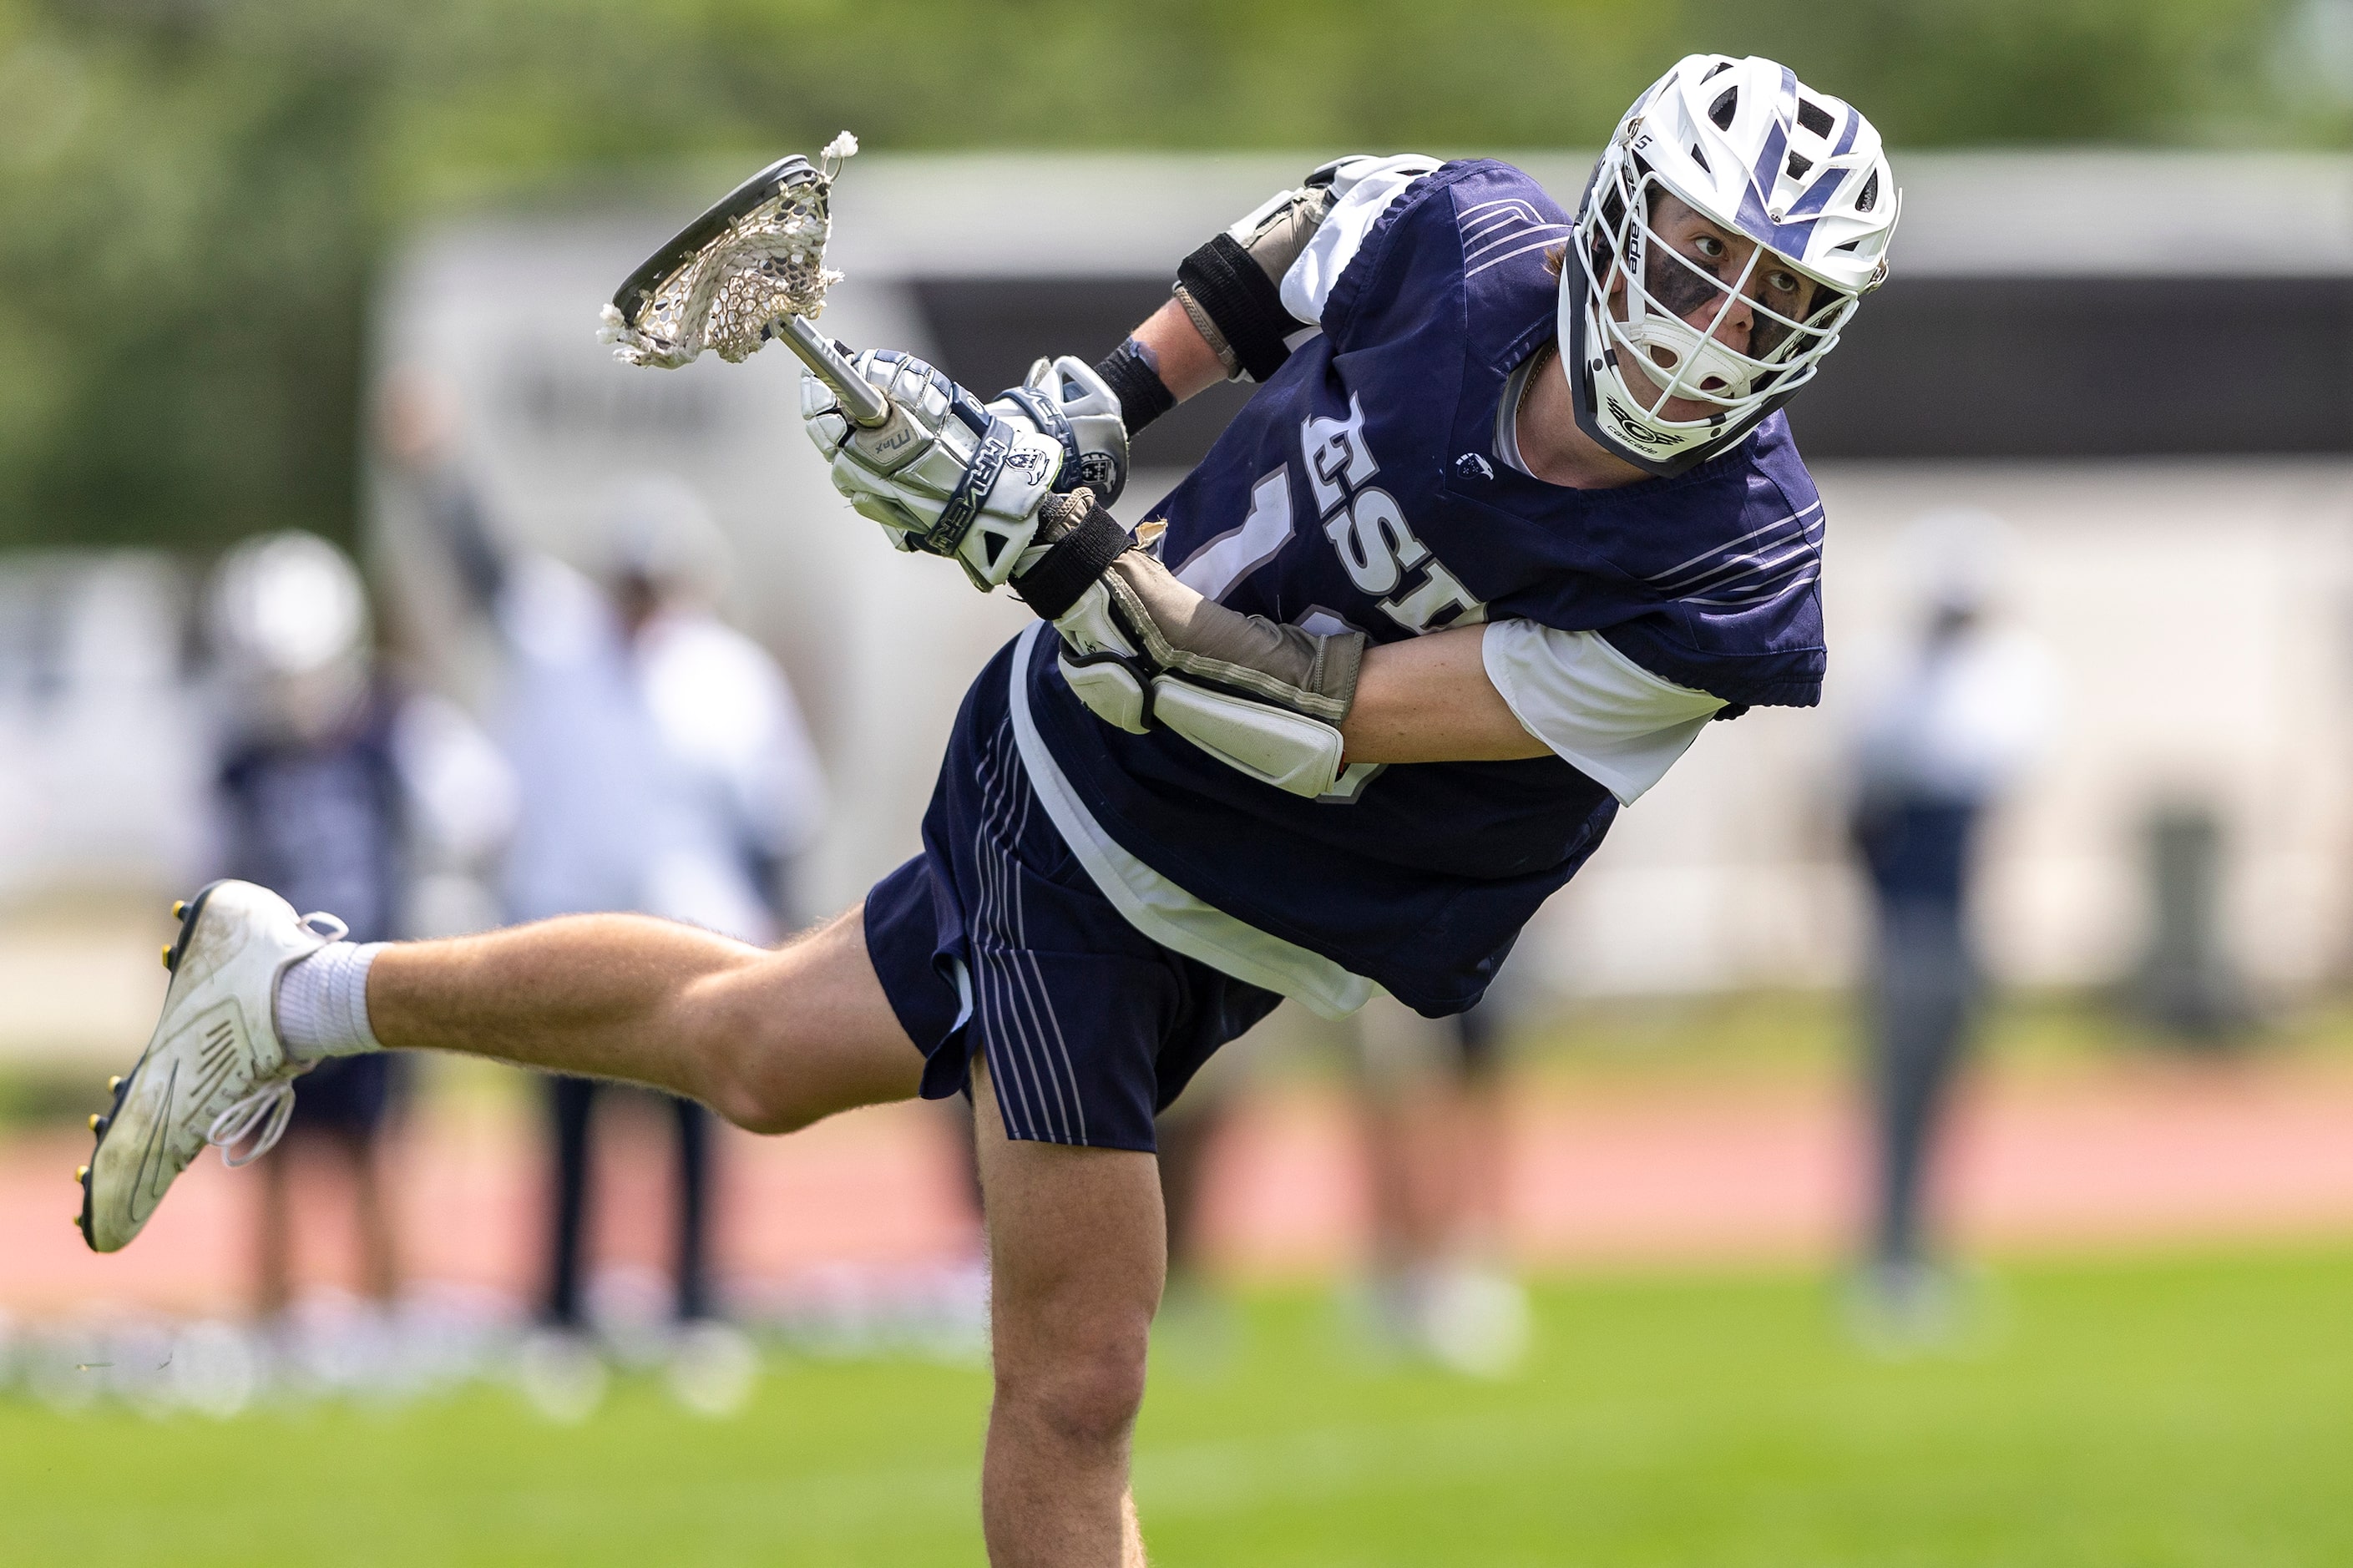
(1360, 487)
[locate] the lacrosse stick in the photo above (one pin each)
(750, 270)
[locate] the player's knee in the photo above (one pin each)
(751, 1088)
(792, 1036)
(757, 1106)
(1086, 1396)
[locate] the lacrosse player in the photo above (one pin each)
(1511, 518)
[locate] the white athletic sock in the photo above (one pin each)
(323, 1002)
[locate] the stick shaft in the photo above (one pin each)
(861, 400)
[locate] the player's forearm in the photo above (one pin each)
(1159, 365)
(1175, 347)
(1429, 699)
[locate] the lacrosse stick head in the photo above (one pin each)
(730, 278)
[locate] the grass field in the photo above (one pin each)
(2128, 1412)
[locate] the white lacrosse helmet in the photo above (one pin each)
(1748, 147)
(288, 616)
(658, 530)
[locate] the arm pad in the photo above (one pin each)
(1231, 287)
(1237, 308)
(1140, 648)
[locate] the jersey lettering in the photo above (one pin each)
(1428, 606)
(1337, 458)
(1225, 561)
(1368, 532)
(1376, 546)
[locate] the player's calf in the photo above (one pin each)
(1077, 1261)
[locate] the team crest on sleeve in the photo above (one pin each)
(1379, 549)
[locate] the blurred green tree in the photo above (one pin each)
(193, 193)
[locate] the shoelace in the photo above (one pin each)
(263, 1114)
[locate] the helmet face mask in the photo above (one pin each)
(1687, 318)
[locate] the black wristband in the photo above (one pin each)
(1070, 567)
(1143, 396)
(1243, 301)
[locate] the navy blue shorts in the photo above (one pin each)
(996, 940)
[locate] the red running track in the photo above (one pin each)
(1618, 1174)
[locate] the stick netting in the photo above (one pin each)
(766, 265)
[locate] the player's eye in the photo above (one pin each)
(1709, 247)
(1781, 282)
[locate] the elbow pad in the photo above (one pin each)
(1232, 287)
(1142, 650)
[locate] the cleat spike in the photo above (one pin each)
(97, 1123)
(82, 1173)
(167, 955)
(114, 1083)
(179, 907)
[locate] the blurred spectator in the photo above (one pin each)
(1197, 1328)
(1967, 706)
(342, 791)
(1435, 1142)
(1434, 1125)
(2187, 982)
(664, 769)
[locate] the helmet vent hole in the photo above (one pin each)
(1663, 356)
(1814, 117)
(1723, 108)
(1700, 158)
(1718, 66)
(1798, 165)
(1869, 197)
(1850, 245)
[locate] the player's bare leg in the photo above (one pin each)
(1078, 1254)
(772, 1038)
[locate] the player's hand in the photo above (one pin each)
(943, 474)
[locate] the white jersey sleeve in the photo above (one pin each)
(1615, 722)
(462, 797)
(1362, 189)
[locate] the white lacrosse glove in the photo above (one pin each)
(1140, 648)
(943, 474)
(1064, 398)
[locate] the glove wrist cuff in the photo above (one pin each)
(1135, 381)
(1075, 560)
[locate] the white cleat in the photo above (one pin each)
(213, 1073)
